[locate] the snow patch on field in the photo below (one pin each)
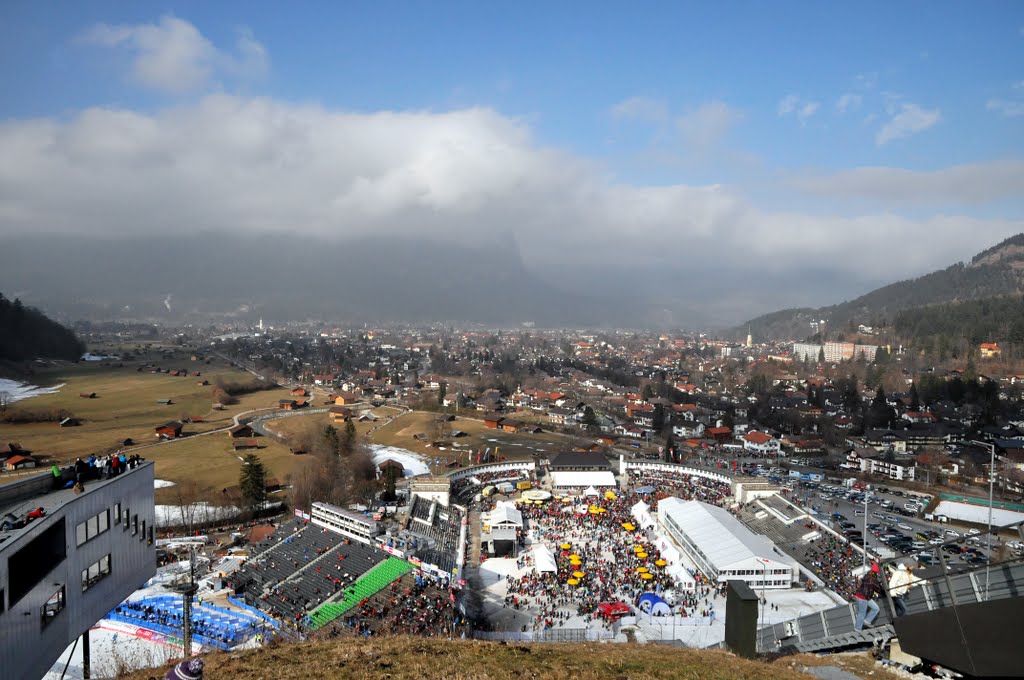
(19, 390)
(413, 463)
(161, 484)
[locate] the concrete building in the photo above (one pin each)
(722, 547)
(64, 570)
(345, 522)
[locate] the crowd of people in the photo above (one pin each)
(215, 633)
(92, 468)
(413, 605)
(833, 561)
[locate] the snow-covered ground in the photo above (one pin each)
(413, 463)
(161, 484)
(968, 512)
(89, 356)
(19, 390)
(170, 515)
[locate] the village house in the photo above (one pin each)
(171, 430)
(760, 443)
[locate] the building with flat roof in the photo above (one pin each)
(574, 469)
(722, 547)
(345, 522)
(78, 558)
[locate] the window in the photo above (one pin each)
(135, 525)
(95, 572)
(150, 542)
(143, 536)
(2, 601)
(92, 527)
(54, 605)
(117, 513)
(127, 519)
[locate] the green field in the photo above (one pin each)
(126, 406)
(211, 463)
(519, 445)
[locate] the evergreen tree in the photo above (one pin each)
(647, 392)
(590, 419)
(252, 482)
(441, 393)
(332, 440)
(915, 399)
(348, 442)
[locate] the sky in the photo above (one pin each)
(670, 143)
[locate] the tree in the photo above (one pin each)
(647, 392)
(590, 419)
(441, 393)
(915, 399)
(658, 420)
(670, 449)
(348, 441)
(252, 482)
(389, 484)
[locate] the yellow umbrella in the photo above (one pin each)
(627, 526)
(578, 574)
(567, 500)
(661, 563)
(602, 510)
(642, 555)
(574, 556)
(609, 495)
(646, 576)
(566, 546)
(572, 582)
(575, 563)
(641, 570)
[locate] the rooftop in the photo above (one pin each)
(18, 498)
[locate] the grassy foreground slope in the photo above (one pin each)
(416, 658)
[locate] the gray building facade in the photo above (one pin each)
(62, 572)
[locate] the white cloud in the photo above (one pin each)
(255, 166)
(173, 56)
(848, 101)
(970, 184)
(803, 109)
(788, 104)
(645, 109)
(706, 125)
(1009, 109)
(909, 119)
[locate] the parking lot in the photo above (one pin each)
(895, 526)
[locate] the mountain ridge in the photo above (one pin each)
(994, 272)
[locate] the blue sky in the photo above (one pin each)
(835, 111)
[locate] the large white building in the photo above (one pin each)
(722, 547)
(345, 522)
(63, 571)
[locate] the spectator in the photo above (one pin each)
(870, 588)
(900, 583)
(191, 669)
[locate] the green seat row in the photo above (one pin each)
(367, 585)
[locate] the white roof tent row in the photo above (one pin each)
(722, 547)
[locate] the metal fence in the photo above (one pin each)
(550, 635)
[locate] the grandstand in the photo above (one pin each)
(300, 567)
(369, 584)
(439, 529)
(212, 626)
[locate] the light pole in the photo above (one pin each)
(991, 490)
(864, 551)
(764, 580)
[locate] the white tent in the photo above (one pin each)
(591, 491)
(581, 478)
(543, 559)
(505, 514)
(722, 547)
(641, 513)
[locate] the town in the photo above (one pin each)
(490, 473)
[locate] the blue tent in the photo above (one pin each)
(645, 490)
(651, 604)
